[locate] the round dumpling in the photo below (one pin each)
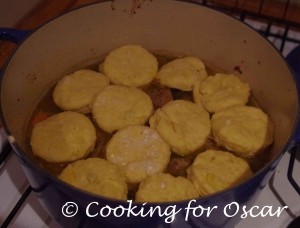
(221, 91)
(163, 187)
(182, 73)
(76, 91)
(183, 125)
(119, 106)
(63, 137)
(245, 130)
(130, 65)
(97, 176)
(139, 151)
(215, 170)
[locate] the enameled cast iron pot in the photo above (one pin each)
(86, 34)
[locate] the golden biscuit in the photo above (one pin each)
(97, 176)
(139, 151)
(76, 91)
(163, 187)
(182, 73)
(244, 130)
(221, 91)
(119, 106)
(182, 124)
(63, 137)
(130, 65)
(216, 170)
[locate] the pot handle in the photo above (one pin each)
(13, 35)
(293, 59)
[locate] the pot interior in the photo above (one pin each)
(84, 35)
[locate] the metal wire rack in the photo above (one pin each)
(277, 20)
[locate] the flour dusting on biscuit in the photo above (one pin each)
(163, 187)
(139, 151)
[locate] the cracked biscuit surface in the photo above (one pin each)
(244, 130)
(63, 137)
(139, 151)
(220, 91)
(182, 73)
(97, 176)
(76, 91)
(119, 106)
(183, 125)
(163, 187)
(215, 170)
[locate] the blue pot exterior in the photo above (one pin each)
(13, 35)
(293, 59)
(54, 194)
